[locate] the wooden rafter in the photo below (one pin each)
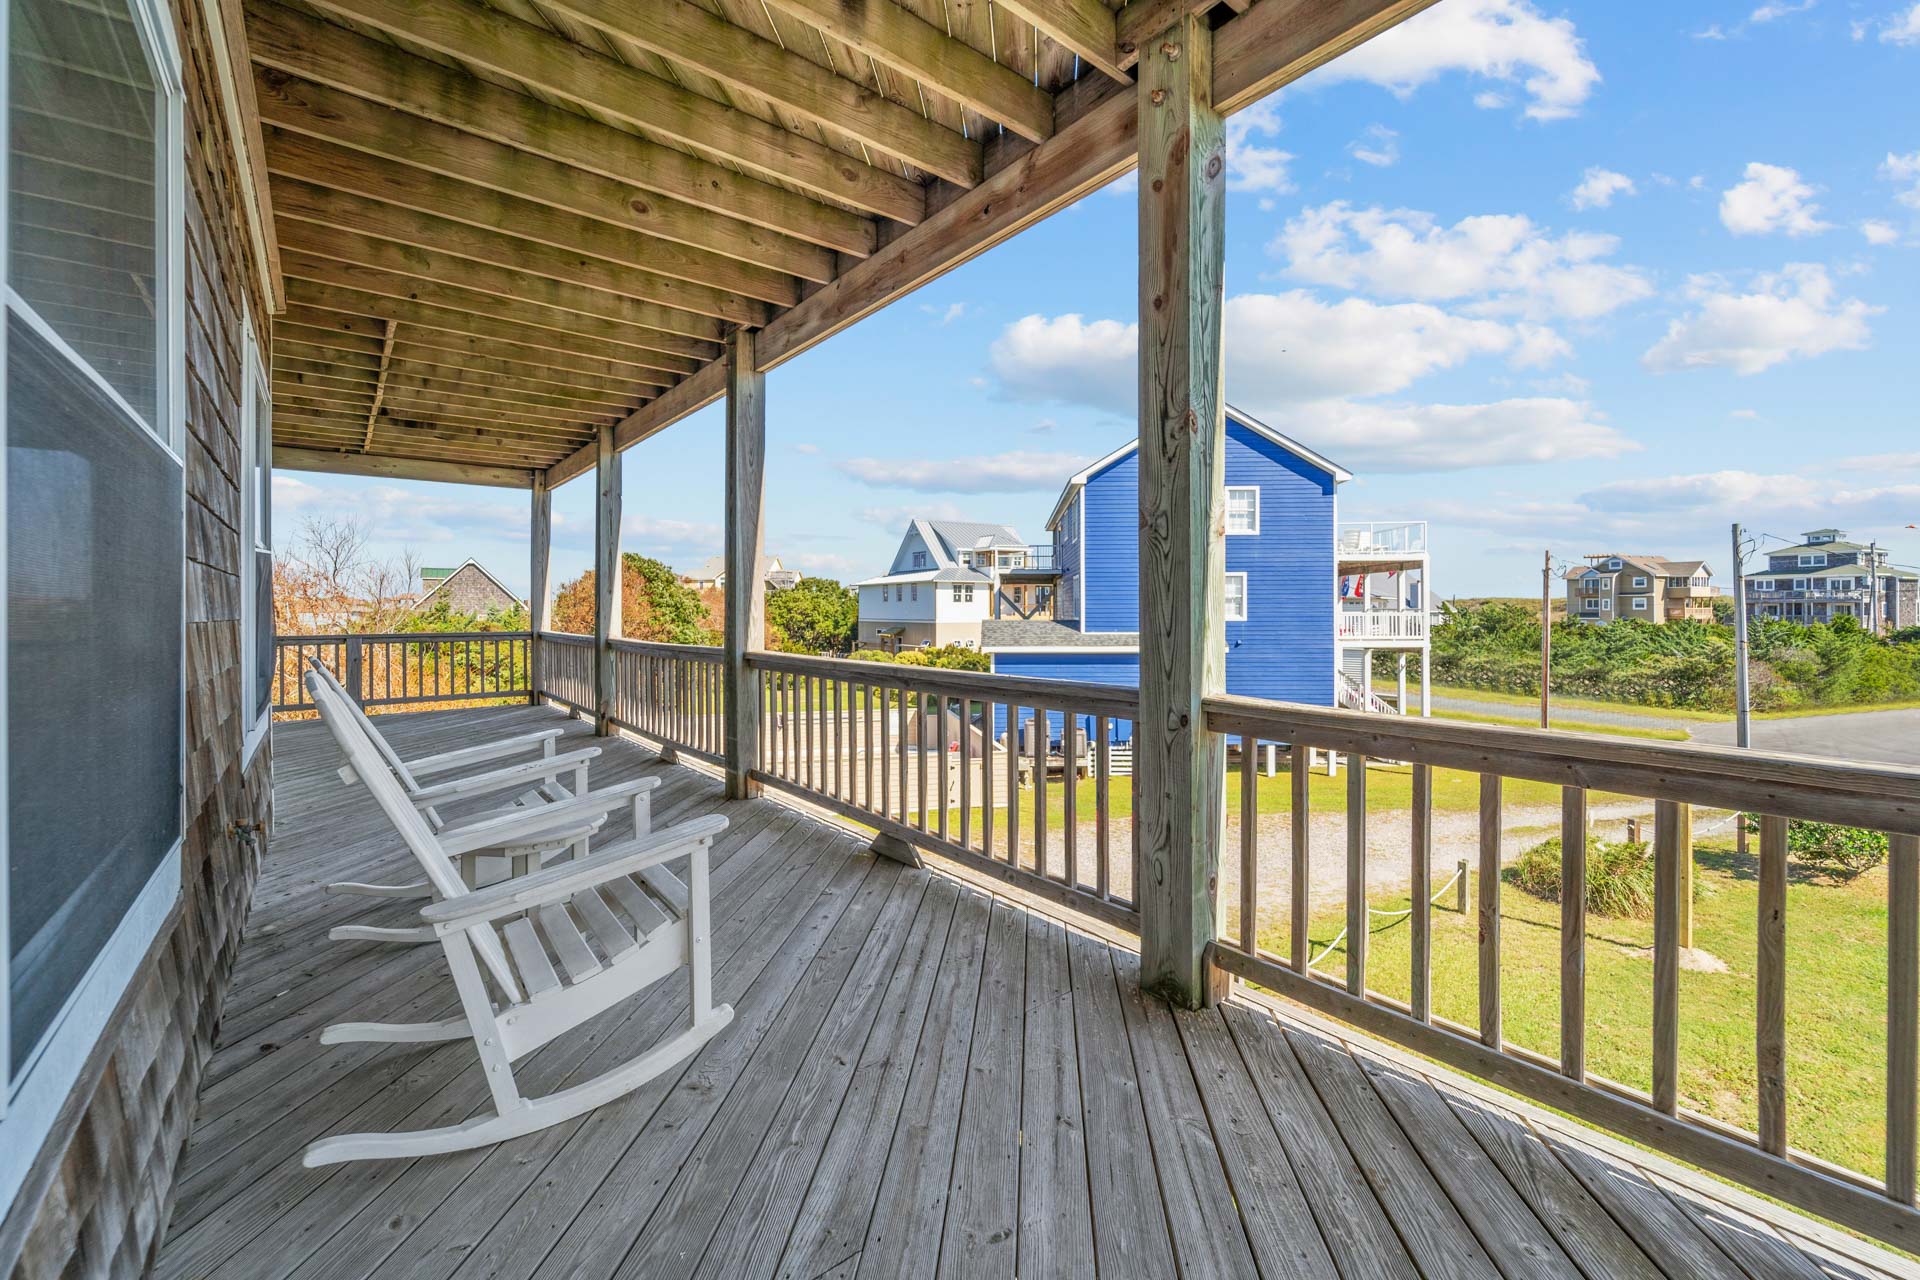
(492, 41)
(743, 61)
(293, 43)
(1087, 27)
(660, 224)
(380, 382)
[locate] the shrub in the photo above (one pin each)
(1836, 852)
(1619, 875)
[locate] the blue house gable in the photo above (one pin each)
(1279, 562)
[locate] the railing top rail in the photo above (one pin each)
(1117, 701)
(700, 652)
(404, 637)
(565, 637)
(1883, 797)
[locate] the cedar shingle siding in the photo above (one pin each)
(97, 1199)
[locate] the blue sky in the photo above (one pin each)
(1593, 277)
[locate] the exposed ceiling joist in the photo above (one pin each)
(293, 43)
(1085, 26)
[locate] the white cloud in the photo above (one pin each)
(1598, 187)
(1712, 31)
(1501, 263)
(896, 518)
(1772, 198)
(1784, 315)
(1777, 9)
(1488, 100)
(1746, 415)
(1506, 40)
(1378, 146)
(1904, 171)
(681, 535)
(1068, 359)
(806, 448)
(823, 564)
(1879, 232)
(1012, 472)
(1450, 437)
(945, 315)
(1903, 28)
(401, 514)
(1252, 166)
(1752, 495)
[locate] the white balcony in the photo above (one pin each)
(1402, 625)
(1360, 539)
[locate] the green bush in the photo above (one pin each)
(951, 657)
(1620, 878)
(1836, 852)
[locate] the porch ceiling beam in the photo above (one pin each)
(484, 37)
(672, 305)
(294, 43)
(895, 37)
(748, 63)
(398, 377)
(398, 435)
(495, 424)
(447, 331)
(668, 230)
(294, 459)
(1141, 20)
(1271, 44)
(379, 381)
(333, 256)
(1085, 26)
(450, 356)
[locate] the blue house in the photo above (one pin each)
(1307, 600)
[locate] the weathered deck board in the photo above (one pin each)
(923, 1079)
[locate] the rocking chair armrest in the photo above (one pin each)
(560, 882)
(442, 761)
(542, 767)
(513, 827)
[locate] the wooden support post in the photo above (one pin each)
(746, 621)
(352, 677)
(539, 596)
(606, 578)
(1181, 767)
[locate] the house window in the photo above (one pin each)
(94, 559)
(1813, 562)
(962, 592)
(1607, 605)
(1613, 564)
(1243, 510)
(1640, 604)
(915, 588)
(1236, 597)
(919, 559)
(1799, 584)
(258, 658)
(1639, 582)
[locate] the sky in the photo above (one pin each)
(1583, 278)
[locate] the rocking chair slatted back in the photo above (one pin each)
(358, 746)
(360, 718)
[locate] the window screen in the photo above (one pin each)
(94, 564)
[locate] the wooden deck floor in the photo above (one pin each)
(923, 1078)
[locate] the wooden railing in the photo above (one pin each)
(566, 670)
(406, 669)
(972, 767)
(1673, 777)
(670, 693)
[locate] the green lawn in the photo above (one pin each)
(1836, 1002)
(1532, 702)
(1570, 726)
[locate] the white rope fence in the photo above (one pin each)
(1341, 937)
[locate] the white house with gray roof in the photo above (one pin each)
(940, 585)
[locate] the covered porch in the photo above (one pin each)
(930, 1073)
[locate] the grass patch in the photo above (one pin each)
(1836, 994)
(1565, 702)
(1569, 726)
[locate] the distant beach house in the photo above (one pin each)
(1309, 601)
(947, 578)
(1650, 588)
(712, 574)
(1826, 576)
(467, 588)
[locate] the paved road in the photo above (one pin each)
(1891, 737)
(1628, 718)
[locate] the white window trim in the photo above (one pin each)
(1232, 489)
(1606, 603)
(1639, 604)
(1246, 603)
(1639, 582)
(31, 1101)
(255, 380)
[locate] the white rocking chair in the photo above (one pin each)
(610, 933)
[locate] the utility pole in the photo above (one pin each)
(1546, 636)
(1741, 709)
(1873, 586)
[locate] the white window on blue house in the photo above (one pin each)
(1243, 510)
(915, 588)
(92, 560)
(1236, 597)
(919, 559)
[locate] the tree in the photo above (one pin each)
(654, 605)
(328, 581)
(815, 615)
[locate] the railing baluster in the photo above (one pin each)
(1102, 812)
(1420, 995)
(1770, 1012)
(1573, 933)
(966, 773)
(900, 724)
(1300, 763)
(1903, 1011)
(1013, 785)
(1070, 794)
(920, 758)
(1040, 733)
(886, 756)
(1356, 875)
(1249, 846)
(1490, 1034)
(1669, 883)
(940, 756)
